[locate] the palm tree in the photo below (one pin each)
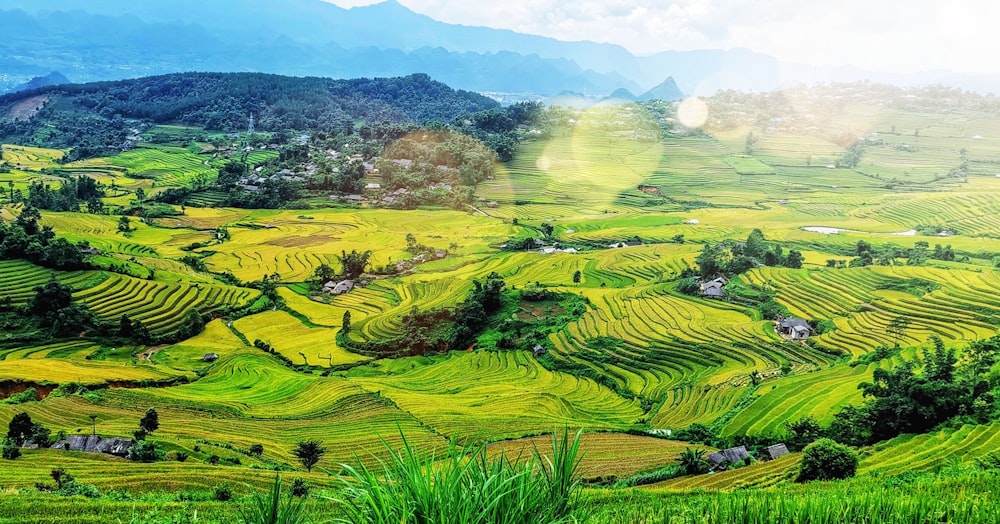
(693, 461)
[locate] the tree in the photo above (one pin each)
(708, 260)
(547, 229)
(323, 274)
(144, 451)
(802, 432)
(10, 449)
(576, 276)
(257, 450)
(756, 246)
(124, 225)
(827, 460)
(150, 422)
(897, 328)
(140, 195)
(20, 428)
(309, 452)
(345, 324)
(794, 259)
(354, 263)
(40, 435)
(693, 461)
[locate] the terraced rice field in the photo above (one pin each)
(664, 359)
(500, 394)
(160, 306)
(602, 452)
(928, 451)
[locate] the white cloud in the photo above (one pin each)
(892, 35)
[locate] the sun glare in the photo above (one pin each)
(692, 112)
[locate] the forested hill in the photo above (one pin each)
(93, 117)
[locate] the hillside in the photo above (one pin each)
(103, 115)
(621, 273)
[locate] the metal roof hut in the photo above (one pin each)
(721, 459)
(777, 450)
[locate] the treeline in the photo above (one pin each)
(99, 117)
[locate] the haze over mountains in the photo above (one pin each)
(90, 40)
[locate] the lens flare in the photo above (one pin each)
(692, 112)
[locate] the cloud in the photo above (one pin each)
(886, 35)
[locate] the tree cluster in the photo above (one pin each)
(26, 239)
(68, 197)
(729, 258)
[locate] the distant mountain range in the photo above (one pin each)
(111, 39)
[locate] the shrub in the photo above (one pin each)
(144, 451)
(28, 395)
(827, 460)
(213, 460)
(299, 488)
(223, 493)
(10, 449)
(181, 456)
(257, 450)
(693, 462)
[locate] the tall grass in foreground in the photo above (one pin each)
(465, 486)
(273, 509)
(968, 499)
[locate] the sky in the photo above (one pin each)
(881, 35)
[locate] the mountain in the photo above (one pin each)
(667, 90)
(113, 39)
(620, 95)
(94, 118)
(54, 78)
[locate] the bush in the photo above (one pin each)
(144, 451)
(11, 451)
(827, 460)
(181, 456)
(299, 488)
(223, 493)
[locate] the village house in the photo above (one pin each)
(722, 459)
(210, 357)
(338, 288)
(713, 288)
(777, 450)
(794, 328)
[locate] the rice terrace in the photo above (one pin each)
(245, 297)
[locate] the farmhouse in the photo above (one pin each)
(95, 444)
(373, 185)
(538, 350)
(210, 357)
(338, 288)
(721, 459)
(713, 288)
(796, 328)
(777, 450)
